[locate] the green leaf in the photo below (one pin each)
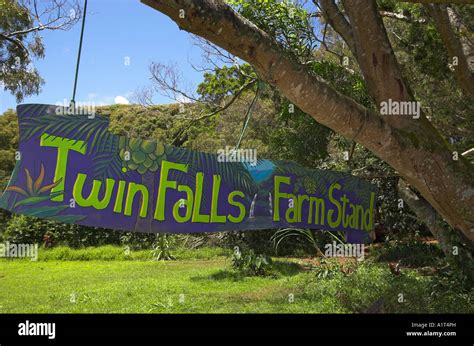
(45, 211)
(37, 199)
(67, 218)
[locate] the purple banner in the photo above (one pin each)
(71, 169)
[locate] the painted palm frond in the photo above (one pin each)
(232, 173)
(107, 163)
(79, 127)
(320, 179)
(53, 213)
(5, 201)
(286, 167)
(364, 188)
(93, 131)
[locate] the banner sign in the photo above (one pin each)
(71, 169)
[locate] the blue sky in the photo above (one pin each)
(115, 30)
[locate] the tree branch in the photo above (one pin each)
(402, 17)
(228, 104)
(338, 22)
(425, 213)
(443, 16)
(376, 57)
(469, 152)
(16, 42)
(417, 152)
(438, 1)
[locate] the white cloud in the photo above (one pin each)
(183, 99)
(121, 100)
(103, 100)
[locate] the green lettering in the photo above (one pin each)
(215, 217)
(319, 211)
(334, 201)
(63, 145)
(277, 180)
(345, 220)
(119, 198)
(301, 199)
(292, 212)
(93, 199)
(197, 217)
(132, 190)
(369, 214)
(230, 199)
(165, 184)
(188, 202)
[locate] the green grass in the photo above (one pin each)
(117, 253)
(204, 282)
(137, 286)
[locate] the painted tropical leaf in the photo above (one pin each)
(45, 212)
(67, 218)
(232, 173)
(80, 127)
(37, 199)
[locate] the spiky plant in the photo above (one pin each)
(35, 191)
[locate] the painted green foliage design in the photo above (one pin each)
(35, 193)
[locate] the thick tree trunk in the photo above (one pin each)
(456, 249)
(385, 81)
(416, 151)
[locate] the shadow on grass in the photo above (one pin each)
(410, 254)
(400, 294)
(279, 269)
(285, 268)
(220, 275)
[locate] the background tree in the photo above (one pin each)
(20, 42)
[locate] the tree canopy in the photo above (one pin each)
(399, 54)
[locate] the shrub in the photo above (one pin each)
(410, 253)
(137, 241)
(25, 229)
(20, 229)
(249, 263)
(162, 248)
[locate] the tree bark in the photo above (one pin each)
(336, 19)
(385, 81)
(376, 58)
(416, 151)
(457, 250)
(444, 18)
(439, 1)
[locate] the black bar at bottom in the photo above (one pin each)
(241, 329)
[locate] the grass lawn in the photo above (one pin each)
(139, 286)
(207, 285)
